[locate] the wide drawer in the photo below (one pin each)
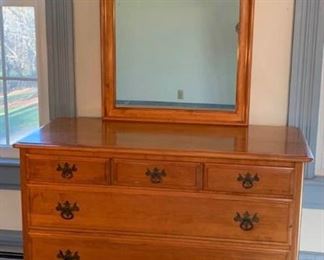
(67, 169)
(171, 213)
(51, 246)
(157, 174)
(249, 179)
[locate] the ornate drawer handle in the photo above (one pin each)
(67, 170)
(67, 209)
(68, 255)
(247, 180)
(156, 175)
(246, 220)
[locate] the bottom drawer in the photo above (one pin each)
(50, 246)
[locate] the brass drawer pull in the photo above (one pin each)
(67, 170)
(156, 175)
(67, 210)
(68, 255)
(247, 180)
(247, 221)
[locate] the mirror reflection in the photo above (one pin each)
(176, 53)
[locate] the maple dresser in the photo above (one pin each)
(114, 190)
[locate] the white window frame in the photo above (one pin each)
(42, 71)
(319, 160)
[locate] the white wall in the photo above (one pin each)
(312, 230)
(273, 23)
(10, 212)
(87, 57)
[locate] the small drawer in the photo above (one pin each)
(249, 179)
(157, 174)
(159, 213)
(69, 246)
(57, 169)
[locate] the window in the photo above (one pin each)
(23, 69)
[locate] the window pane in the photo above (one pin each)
(20, 41)
(23, 108)
(2, 117)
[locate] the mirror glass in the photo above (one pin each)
(177, 53)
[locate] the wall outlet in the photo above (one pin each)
(180, 94)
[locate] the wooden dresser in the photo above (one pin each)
(96, 190)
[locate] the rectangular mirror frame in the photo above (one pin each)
(144, 114)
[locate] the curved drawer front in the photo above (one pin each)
(172, 213)
(249, 179)
(67, 169)
(157, 174)
(89, 248)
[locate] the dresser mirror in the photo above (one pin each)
(184, 61)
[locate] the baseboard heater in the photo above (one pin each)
(10, 255)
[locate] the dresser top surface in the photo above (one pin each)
(267, 142)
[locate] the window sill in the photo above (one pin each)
(8, 152)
